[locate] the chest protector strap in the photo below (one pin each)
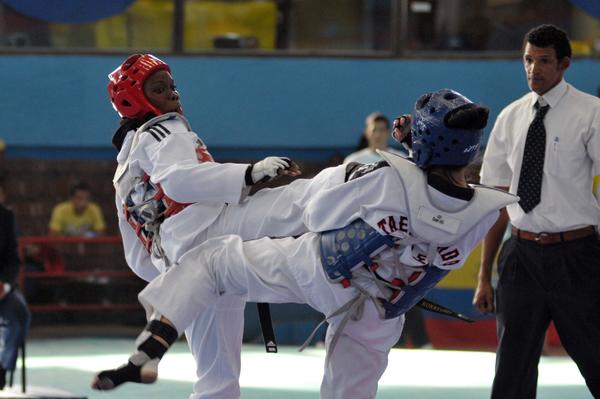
(348, 248)
(146, 207)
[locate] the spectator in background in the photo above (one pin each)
(2, 150)
(14, 314)
(78, 216)
(375, 137)
(545, 147)
(3, 171)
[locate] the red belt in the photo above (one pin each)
(554, 238)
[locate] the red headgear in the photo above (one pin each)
(126, 86)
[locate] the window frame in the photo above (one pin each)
(398, 31)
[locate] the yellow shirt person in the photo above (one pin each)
(78, 216)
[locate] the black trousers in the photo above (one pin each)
(539, 284)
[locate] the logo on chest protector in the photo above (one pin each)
(443, 222)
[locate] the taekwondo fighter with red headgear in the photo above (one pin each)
(171, 196)
(378, 243)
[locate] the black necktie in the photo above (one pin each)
(532, 168)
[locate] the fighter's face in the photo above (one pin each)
(160, 90)
(543, 69)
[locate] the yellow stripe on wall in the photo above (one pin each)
(466, 276)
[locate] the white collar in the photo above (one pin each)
(553, 96)
(125, 147)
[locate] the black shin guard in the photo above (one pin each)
(153, 348)
(163, 330)
(142, 365)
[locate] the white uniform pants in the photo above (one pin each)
(278, 271)
(215, 337)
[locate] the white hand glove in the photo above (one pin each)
(266, 169)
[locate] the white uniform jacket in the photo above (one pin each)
(173, 156)
(430, 227)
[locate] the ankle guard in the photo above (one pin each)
(142, 366)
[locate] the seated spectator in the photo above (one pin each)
(375, 137)
(78, 216)
(14, 314)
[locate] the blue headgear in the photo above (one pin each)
(433, 143)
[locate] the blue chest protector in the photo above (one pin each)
(411, 294)
(348, 248)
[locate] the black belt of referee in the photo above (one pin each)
(554, 238)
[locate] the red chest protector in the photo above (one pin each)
(146, 207)
(146, 204)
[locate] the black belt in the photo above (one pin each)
(266, 326)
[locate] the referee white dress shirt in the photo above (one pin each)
(571, 160)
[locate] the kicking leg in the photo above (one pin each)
(275, 212)
(142, 366)
(259, 271)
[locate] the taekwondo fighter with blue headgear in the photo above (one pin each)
(378, 243)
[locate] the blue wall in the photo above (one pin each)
(250, 102)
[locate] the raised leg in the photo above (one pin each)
(142, 366)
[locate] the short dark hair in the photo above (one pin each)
(80, 186)
(377, 117)
(382, 118)
(550, 36)
(473, 117)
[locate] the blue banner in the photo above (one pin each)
(69, 11)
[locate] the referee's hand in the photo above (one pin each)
(483, 299)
